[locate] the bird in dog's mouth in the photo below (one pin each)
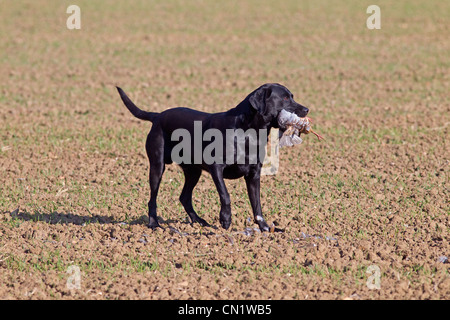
(294, 126)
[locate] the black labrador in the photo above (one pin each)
(259, 111)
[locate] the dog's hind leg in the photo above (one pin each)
(155, 153)
(156, 172)
(191, 175)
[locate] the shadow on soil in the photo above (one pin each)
(70, 218)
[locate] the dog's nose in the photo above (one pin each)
(306, 110)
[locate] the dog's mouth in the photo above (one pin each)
(301, 113)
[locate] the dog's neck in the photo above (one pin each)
(242, 108)
(249, 117)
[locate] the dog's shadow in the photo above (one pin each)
(70, 218)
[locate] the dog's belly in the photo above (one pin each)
(236, 171)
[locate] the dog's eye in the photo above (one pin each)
(286, 98)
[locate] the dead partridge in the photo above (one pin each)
(295, 126)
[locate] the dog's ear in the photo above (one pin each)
(259, 97)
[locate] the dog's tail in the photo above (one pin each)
(138, 113)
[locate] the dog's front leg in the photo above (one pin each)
(253, 186)
(225, 202)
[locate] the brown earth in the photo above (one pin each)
(74, 172)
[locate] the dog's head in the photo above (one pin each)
(269, 99)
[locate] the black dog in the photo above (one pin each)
(259, 111)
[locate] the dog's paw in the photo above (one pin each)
(225, 224)
(154, 224)
(263, 226)
(201, 221)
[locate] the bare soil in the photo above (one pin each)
(372, 196)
